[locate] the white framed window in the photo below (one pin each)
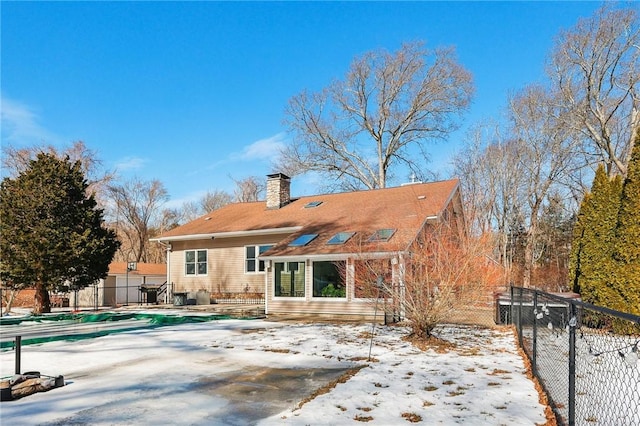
(251, 262)
(289, 279)
(195, 262)
(329, 279)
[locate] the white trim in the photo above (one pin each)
(195, 263)
(332, 298)
(286, 269)
(371, 299)
(256, 258)
(230, 234)
(331, 256)
(267, 271)
(328, 299)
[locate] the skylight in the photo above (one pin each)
(312, 204)
(302, 240)
(340, 238)
(382, 235)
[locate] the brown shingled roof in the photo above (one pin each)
(404, 208)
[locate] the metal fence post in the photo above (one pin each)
(511, 307)
(534, 355)
(520, 318)
(572, 363)
(18, 346)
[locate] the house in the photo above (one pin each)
(298, 252)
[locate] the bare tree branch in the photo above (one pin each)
(16, 160)
(136, 209)
(248, 189)
(595, 66)
(359, 128)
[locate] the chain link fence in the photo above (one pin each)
(584, 356)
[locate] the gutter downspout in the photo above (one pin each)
(401, 286)
(266, 288)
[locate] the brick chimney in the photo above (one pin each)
(278, 190)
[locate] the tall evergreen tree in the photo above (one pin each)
(594, 238)
(53, 235)
(627, 248)
(577, 243)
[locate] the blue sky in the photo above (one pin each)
(193, 93)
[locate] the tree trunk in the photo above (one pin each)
(8, 296)
(528, 261)
(529, 248)
(42, 303)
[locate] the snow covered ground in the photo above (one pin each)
(607, 375)
(239, 372)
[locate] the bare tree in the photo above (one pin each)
(510, 179)
(541, 167)
(545, 152)
(441, 273)
(169, 219)
(553, 246)
(209, 202)
(8, 297)
(595, 67)
(481, 163)
(214, 200)
(491, 178)
(189, 211)
(478, 197)
(136, 206)
(16, 160)
(382, 113)
(248, 189)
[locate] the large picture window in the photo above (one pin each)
(288, 279)
(328, 279)
(195, 262)
(251, 262)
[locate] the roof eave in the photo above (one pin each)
(333, 256)
(229, 234)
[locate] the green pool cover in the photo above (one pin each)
(105, 323)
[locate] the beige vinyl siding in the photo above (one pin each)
(225, 265)
(308, 305)
(334, 308)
